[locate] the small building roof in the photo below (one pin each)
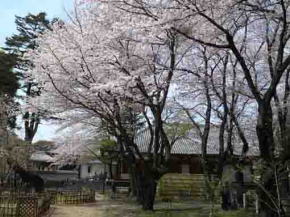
(42, 156)
(95, 162)
(190, 144)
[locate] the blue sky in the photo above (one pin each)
(8, 10)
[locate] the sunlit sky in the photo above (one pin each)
(8, 10)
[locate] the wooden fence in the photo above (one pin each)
(24, 206)
(72, 197)
(181, 186)
(8, 207)
(21, 204)
(286, 204)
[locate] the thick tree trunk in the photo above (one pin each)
(111, 170)
(266, 144)
(265, 132)
(136, 189)
(145, 187)
(133, 181)
(139, 188)
(228, 200)
(267, 208)
(233, 187)
(221, 145)
(31, 124)
(148, 192)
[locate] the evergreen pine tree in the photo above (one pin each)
(29, 28)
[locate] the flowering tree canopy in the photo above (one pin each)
(128, 61)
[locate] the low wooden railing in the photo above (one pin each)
(21, 204)
(24, 206)
(72, 197)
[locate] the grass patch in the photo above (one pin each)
(171, 213)
(176, 209)
(236, 213)
(194, 213)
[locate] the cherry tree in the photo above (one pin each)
(118, 59)
(212, 101)
(262, 58)
(110, 64)
(256, 35)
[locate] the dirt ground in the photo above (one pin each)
(86, 210)
(101, 208)
(107, 208)
(124, 208)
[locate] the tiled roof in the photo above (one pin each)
(41, 156)
(191, 144)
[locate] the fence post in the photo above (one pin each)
(244, 200)
(257, 204)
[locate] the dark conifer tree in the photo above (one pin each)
(29, 28)
(9, 85)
